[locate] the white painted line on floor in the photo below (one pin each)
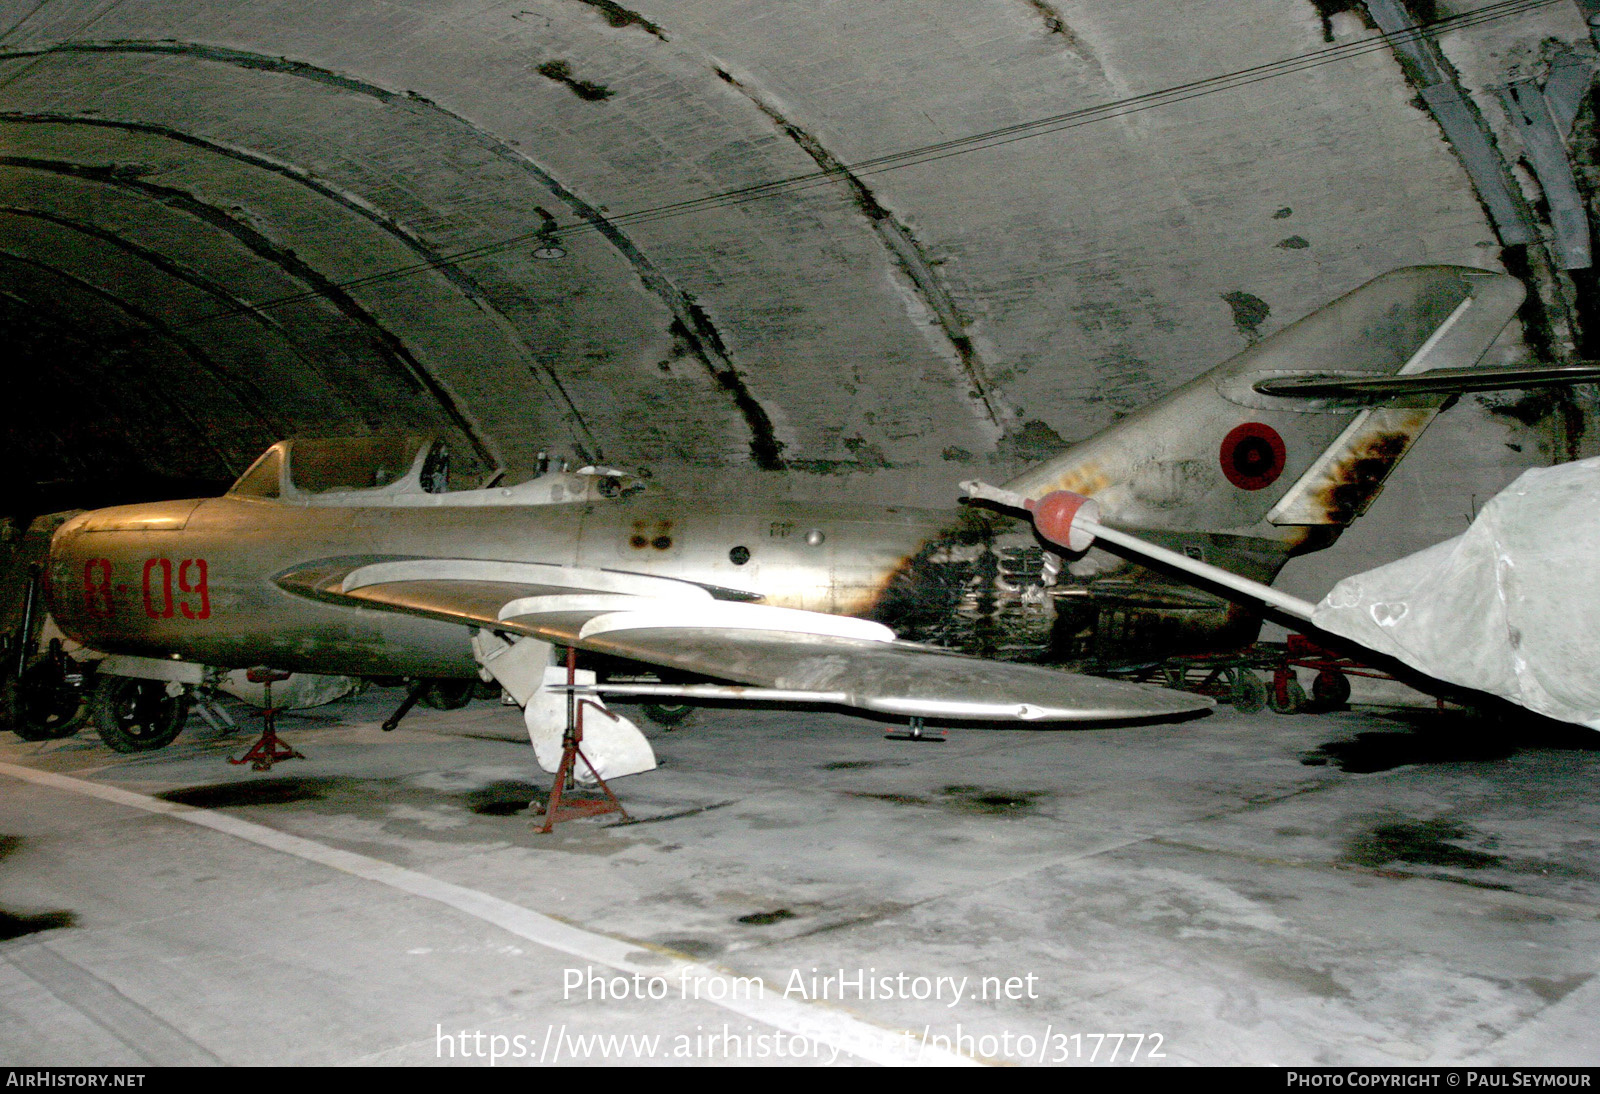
(822, 1024)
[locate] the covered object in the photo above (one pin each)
(1510, 607)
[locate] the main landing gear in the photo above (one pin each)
(48, 701)
(134, 715)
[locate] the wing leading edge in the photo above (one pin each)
(787, 653)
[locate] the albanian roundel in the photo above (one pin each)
(1252, 456)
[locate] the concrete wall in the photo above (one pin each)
(873, 333)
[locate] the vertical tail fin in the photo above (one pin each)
(1217, 455)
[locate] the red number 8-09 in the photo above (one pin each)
(97, 590)
(204, 610)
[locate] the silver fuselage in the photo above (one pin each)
(195, 579)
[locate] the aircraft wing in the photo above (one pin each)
(805, 656)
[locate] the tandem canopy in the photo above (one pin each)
(1510, 607)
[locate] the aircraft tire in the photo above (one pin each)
(46, 709)
(1248, 694)
(448, 694)
(1293, 700)
(1330, 690)
(133, 715)
(668, 715)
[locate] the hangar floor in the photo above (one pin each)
(1360, 888)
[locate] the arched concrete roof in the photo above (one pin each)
(227, 222)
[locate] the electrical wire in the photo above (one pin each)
(932, 153)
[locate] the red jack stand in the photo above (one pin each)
(572, 751)
(270, 748)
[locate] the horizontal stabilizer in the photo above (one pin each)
(1442, 381)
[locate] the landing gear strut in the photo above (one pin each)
(915, 732)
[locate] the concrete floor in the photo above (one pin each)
(1351, 888)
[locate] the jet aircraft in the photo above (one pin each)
(354, 556)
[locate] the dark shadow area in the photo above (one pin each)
(15, 926)
(504, 799)
(257, 792)
(1450, 736)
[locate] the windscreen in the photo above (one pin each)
(261, 481)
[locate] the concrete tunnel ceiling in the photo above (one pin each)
(199, 205)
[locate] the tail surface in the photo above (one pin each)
(1221, 456)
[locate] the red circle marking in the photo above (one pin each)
(1252, 456)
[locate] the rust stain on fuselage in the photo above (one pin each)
(1086, 480)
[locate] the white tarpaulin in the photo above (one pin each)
(1510, 607)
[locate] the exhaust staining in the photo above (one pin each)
(977, 588)
(1354, 480)
(923, 599)
(561, 73)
